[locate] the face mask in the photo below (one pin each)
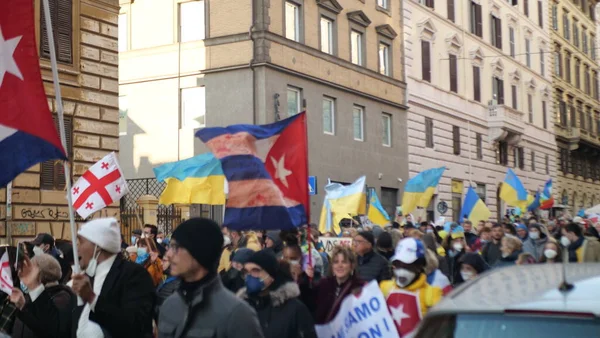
(226, 240)
(37, 251)
(467, 275)
(294, 262)
(550, 254)
(565, 241)
(141, 251)
(141, 258)
(254, 285)
(534, 235)
(93, 264)
(504, 255)
(457, 246)
(159, 241)
(429, 231)
(404, 277)
(24, 288)
(133, 238)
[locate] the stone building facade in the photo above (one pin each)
(86, 33)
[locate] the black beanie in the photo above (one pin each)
(203, 239)
(368, 236)
(267, 261)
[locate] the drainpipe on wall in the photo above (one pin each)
(250, 30)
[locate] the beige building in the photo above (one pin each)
(576, 94)
(191, 64)
(86, 41)
(480, 96)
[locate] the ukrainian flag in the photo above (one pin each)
(197, 180)
(342, 202)
(535, 204)
(474, 209)
(377, 213)
(513, 192)
(419, 189)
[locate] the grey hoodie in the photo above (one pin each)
(535, 247)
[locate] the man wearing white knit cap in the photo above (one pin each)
(118, 295)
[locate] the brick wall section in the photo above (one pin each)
(93, 104)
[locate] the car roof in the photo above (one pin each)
(533, 287)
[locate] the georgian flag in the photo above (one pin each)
(103, 184)
(6, 282)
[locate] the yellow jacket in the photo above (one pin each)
(428, 295)
(225, 260)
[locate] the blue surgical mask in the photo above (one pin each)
(141, 259)
(133, 238)
(141, 251)
(254, 285)
(24, 288)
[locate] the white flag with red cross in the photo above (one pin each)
(103, 184)
(6, 282)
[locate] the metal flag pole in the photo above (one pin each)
(8, 213)
(61, 123)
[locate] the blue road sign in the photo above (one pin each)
(312, 185)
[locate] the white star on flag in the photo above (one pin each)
(7, 60)
(398, 314)
(280, 171)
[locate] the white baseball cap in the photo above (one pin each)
(104, 232)
(409, 250)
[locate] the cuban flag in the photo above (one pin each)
(267, 171)
(27, 132)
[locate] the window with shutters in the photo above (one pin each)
(428, 3)
(511, 41)
(555, 16)
(456, 139)
(61, 14)
(557, 63)
(577, 74)
(502, 153)
(581, 114)
(477, 83)
(476, 26)
(587, 79)
(596, 91)
(540, 12)
(429, 132)
(544, 115)
(518, 158)
(450, 6)
(575, 33)
(426, 60)
(52, 173)
(514, 97)
(532, 160)
(498, 90)
(593, 47)
(566, 25)
(542, 62)
(479, 146)
(526, 7)
(585, 41)
(530, 107)
(496, 31)
(453, 68)
(568, 67)
(589, 122)
(547, 165)
(528, 52)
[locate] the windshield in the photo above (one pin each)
(504, 326)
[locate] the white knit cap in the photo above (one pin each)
(104, 232)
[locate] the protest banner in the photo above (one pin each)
(328, 243)
(361, 317)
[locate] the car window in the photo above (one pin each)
(503, 326)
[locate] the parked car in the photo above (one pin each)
(521, 301)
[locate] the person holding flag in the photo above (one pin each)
(407, 294)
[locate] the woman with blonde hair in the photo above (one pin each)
(511, 247)
(343, 281)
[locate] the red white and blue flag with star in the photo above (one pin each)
(27, 132)
(267, 172)
(103, 184)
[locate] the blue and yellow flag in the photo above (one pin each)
(513, 192)
(197, 180)
(474, 209)
(377, 213)
(419, 189)
(342, 201)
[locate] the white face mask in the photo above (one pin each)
(467, 275)
(565, 241)
(159, 241)
(404, 277)
(226, 240)
(429, 231)
(295, 262)
(93, 264)
(534, 235)
(550, 254)
(457, 246)
(37, 251)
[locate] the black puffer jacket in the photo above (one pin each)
(166, 289)
(373, 266)
(281, 313)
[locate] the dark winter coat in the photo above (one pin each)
(454, 267)
(373, 266)
(491, 253)
(232, 280)
(509, 260)
(328, 304)
(50, 315)
(281, 313)
(164, 291)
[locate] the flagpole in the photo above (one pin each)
(61, 123)
(9, 213)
